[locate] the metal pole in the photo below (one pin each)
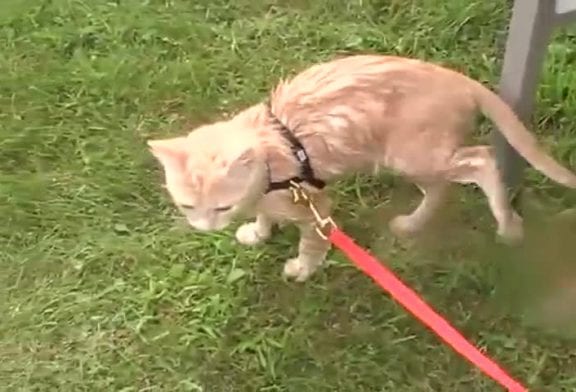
(529, 33)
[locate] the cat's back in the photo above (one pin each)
(332, 78)
(356, 81)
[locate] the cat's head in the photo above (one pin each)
(211, 175)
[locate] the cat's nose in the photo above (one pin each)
(200, 224)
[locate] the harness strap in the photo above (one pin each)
(306, 171)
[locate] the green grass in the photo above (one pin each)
(101, 289)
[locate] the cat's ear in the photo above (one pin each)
(171, 153)
(246, 157)
(242, 163)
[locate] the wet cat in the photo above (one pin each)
(345, 116)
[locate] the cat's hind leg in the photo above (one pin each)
(434, 193)
(477, 165)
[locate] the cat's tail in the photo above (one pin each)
(523, 141)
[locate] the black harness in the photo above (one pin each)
(306, 171)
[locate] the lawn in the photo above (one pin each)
(102, 288)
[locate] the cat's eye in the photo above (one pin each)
(187, 206)
(222, 209)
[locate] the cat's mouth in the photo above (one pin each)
(206, 226)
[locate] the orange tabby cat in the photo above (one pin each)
(349, 115)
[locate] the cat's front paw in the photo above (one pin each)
(251, 234)
(298, 269)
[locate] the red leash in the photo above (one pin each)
(415, 305)
(327, 229)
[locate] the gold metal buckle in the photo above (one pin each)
(301, 196)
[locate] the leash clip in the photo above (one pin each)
(324, 225)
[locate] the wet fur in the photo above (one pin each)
(355, 114)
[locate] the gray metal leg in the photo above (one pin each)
(565, 11)
(529, 33)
